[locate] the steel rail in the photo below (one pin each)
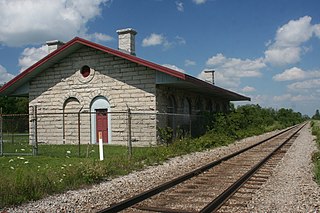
(224, 196)
(151, 192)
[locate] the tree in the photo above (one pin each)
(316, 116)
(14, 105)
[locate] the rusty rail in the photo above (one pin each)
(149, 193)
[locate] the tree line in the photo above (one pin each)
(316, 116)
(252, 120)
(14, 105)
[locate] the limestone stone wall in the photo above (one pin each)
(63, 89)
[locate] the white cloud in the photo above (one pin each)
(220, 79)
(188, 63)
(287, 49)
(229, 71)
(248, 89)
(296, 73)
(174, 67)
(293, 98)
(281, 98)
(153, 40)
(33, 22)
(99, 37)
(179, 5)
(317, 30)
(279, 56)
(236, 67)
(159, 39)
(216, 60)
(199, 1)
(303, 98)
(290, 74)
(294, 32)
(31, 55)
(180, 40)
(305, 85)
(4, 75)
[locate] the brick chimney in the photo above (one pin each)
(127, 40)
(54, 45)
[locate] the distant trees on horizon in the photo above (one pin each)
(316, 116)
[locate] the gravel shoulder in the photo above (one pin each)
(301, 193)
(292, 187)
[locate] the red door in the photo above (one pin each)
(102, 124)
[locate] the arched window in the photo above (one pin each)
(208, 106)
(220, 107)
(172, 106)
(214, 107)
(226, 107)
(197, 105)
(71, 107)
(171, 109)
(186, 111)
(186, 106)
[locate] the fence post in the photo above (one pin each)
(34, 129)
(1, 135)
(190, 125)
(129, 133)
(79, 142)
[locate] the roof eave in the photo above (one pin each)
(232, 95)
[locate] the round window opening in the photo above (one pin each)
(85, 71)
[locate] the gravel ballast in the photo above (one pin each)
(291, 188)
(292, 184)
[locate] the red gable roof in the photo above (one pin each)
(77, 42)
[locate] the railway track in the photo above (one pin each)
(224, 185)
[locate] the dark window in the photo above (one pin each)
(85, 71)
(171, 108)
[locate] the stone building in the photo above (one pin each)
(101, 83)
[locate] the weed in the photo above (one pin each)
(316, 156)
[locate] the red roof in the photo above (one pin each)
(10, 87)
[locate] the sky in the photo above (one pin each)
(268, 50)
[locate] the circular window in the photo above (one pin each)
(85, 71)
(85, 74)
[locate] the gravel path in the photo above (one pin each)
(292, 187)
(304, 197)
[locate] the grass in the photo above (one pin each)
(16, 143)
(316, 156)
(58, 168)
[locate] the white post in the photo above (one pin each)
(100, 146)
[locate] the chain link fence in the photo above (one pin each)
(29, 133)
(14, 134)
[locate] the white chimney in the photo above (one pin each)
(212, 76)
(127, 40)
(54, 45)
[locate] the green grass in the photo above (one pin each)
(316, 156)
(16, 143)
(58, 168)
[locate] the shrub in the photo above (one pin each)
(316, 155)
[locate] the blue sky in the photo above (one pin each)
(267, 50)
